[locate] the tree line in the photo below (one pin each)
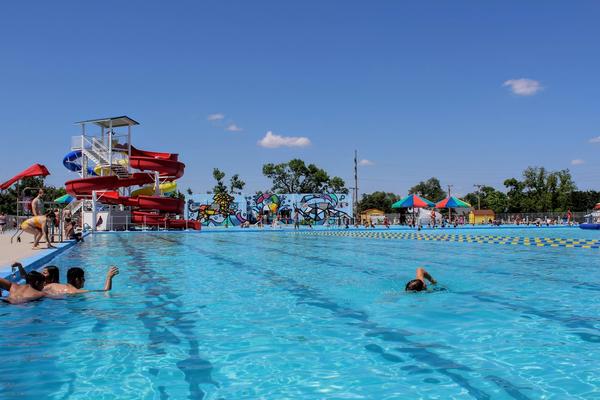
(538, 190)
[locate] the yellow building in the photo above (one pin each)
(371, 212)
(478, 217)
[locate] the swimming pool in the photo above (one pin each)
(225, 315)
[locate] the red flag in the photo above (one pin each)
(34, 170)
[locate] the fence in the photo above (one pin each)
(552, 217)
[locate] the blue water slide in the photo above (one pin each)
(70, 162)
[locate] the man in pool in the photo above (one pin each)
(76, 280)
(418, 284)
(19, 294)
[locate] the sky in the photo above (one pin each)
(470, 92)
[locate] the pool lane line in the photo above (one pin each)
(196, 370)
(462, 238)
(310, 296)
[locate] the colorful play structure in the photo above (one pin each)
(109, 167)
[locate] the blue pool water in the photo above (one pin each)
(278, 315)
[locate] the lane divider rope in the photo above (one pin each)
(465, 238)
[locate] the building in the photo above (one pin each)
(477, 217)
(371, 215)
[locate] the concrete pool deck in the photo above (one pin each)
(23, 253)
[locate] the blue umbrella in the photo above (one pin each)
(64, 199)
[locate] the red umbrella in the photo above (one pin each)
(34, 170)
(597, 206)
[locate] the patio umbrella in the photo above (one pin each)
(413, 201)
(452, 202)
(64, 199)
(597, 206)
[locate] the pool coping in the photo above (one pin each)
(37, 261)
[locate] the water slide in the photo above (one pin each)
(70, 162)
(166, 164)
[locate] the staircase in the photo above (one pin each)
(96, 151)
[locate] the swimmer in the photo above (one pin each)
(38, 227)
(49, 272)
(418, 284)
(76, 280)
(19, 294)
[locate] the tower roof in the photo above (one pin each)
(115, 122)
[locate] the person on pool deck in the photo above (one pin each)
(418, 284)
(76, 280)
(38, 227)
(19, 294)
(50, 273)
(37, 205)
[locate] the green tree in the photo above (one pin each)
(235, 183)
(584, 200)
(380, 200)
(431, 189)
(540, 190)
(489, 198)
(295, 176)
(8, 198)
(219, 187)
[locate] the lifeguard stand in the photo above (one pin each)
(106, 142)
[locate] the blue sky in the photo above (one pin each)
(468, 91)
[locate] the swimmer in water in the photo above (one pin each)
(49, 272)
(19, 294)
(418, 284)
(76, 280)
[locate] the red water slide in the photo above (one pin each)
(166, 164)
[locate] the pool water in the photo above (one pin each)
(280, 315)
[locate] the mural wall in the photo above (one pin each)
(234, 210)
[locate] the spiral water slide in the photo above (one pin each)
(150, 209)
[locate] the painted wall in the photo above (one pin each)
(234, 210)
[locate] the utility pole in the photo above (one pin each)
(449, 209)
(478, 186)
(355, 194)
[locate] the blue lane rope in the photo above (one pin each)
(465, 238)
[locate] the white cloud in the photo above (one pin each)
(273, 141)
(595, 139)
(577, 161)
(365, 163)
(215, 117)
(233, 128)
(523, 86)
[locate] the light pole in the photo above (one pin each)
(478, 195)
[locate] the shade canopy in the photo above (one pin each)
(34, 170)
(597, 206)
(64, 199)
(452, 202)
(111, 122)
(412, 201)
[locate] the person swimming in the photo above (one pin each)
(418, 284)
(19, 294)
(49, 272)
(76, 281)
